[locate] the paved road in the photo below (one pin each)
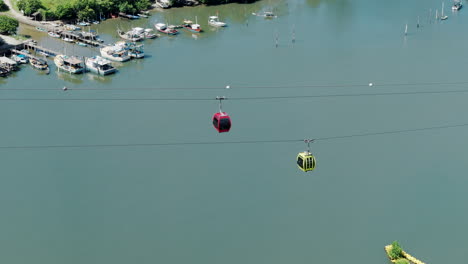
(19, 16)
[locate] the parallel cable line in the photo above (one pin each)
(240, 98)
(235, 87)
(132, 145)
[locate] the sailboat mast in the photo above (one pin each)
(406, 29)
(442, 14)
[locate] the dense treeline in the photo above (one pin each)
(83, 9)
(95, 9)
(209, 2)
(8, 25)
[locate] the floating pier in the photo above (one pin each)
(405, 255)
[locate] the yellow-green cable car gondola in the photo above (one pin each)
(305, 160)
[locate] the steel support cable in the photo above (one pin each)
(241, 98)
(132, 145)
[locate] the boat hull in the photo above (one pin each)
(111, 57)
(100, 72)
(192, 30)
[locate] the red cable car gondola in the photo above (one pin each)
(221, 120)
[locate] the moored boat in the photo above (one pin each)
(163, 28)
(130, 35)
(214, 21)
(20, 58)
(192, 27)
(134, 51)
(69, 64)
(53, 34)
(457, 6)
(99, 65)
(148, 33)
(39, 64)
(115, 53)
(68, 40)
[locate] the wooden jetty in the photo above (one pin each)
(405, 255)
(36, 48)
(29, 55)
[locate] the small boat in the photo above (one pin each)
(68, 40)
(85, 24)
(266, 14)
(192, 27)
(115, 53)
(53, 34)
(69, 64)
(96, 22)
(82, 44)
(134, 51)
(442, 16)
(163, 28)
(214, 21)
(45, 54)
(148, 33)
(143, 15)
(71, 27)
(20, 58)
(457, 6)
(99, 65)
(39, 64)
(130, 35)
(41, 29)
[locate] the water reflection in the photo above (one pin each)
(340, 11)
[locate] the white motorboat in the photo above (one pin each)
(148, 33)
(131, 35)
(68, 40)
(457, 6)
(53, 34)
(99, 65)
(115, 53)
(69, 64)
(214, 21)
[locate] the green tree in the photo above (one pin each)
(65, 11)
(125, 7)
(29, 6)
(86, 14)
(142, 4)
(8, 25)
(396, 252)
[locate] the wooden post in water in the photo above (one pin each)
(293, 34)
(276, 39)
(417, 25)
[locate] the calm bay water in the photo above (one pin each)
(245, 203)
